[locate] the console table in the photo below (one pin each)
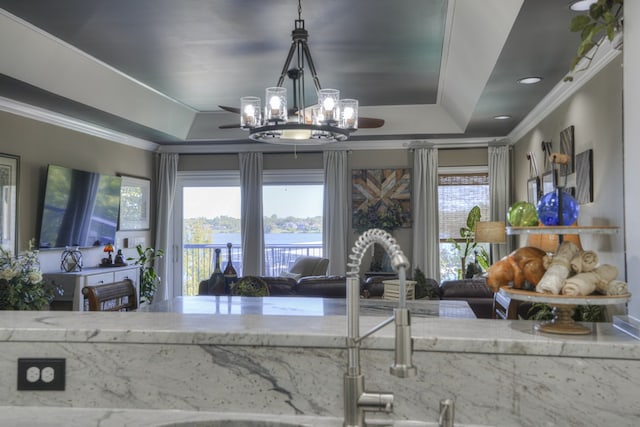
(73, 282)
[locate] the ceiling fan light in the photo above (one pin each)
(276, 105)
(502, 117)
(296, 134)
(348, 114)
(328, 99)
(250, 112)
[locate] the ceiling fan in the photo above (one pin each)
(324, 127)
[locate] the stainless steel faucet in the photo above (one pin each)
(357, 401)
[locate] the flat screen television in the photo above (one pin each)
(79, 208)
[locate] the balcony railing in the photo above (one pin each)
(198, 261)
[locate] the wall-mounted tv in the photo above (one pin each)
(79, 208)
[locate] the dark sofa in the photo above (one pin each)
(307, 286)
(474, 291)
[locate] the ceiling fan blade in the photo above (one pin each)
(234, 110)
(235, 126)
(369, 123)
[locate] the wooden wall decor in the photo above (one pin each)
(381, 196)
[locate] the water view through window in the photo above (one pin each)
(211, 219)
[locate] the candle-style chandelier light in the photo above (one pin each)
(330, 120)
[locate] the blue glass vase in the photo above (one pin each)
(548, 209)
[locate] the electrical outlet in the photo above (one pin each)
(41, 374)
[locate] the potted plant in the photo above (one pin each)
(604, 19)
(424, 288)
(149, 278)
(467, 234)
(21, 284)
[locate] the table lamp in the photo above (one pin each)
(490, 232)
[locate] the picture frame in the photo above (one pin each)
(135, 196)
(548, 181)
(584, 177)
(9, 176)
(533, 190)
(380, 196)
(567, 146)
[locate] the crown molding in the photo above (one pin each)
(63, 121)
(563, 91)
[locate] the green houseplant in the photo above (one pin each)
(149, 278)
(604, 19)
(466, 244)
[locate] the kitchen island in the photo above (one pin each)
(498, 372)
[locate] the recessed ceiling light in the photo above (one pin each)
(529, 80)
(581, 5)
(502, 117)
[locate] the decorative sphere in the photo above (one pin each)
(522, 214)
(548, 209)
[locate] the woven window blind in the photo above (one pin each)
(457, 194)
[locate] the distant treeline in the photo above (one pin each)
(200, 230)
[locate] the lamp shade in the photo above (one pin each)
(490, 232)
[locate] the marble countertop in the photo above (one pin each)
(329, 330)
(299, 306)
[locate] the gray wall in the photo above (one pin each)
(596, 113)
(39, 144)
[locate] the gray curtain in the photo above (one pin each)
(166, 179)
(251, 214)
(499, 191)
(335, 211)
(426, 230)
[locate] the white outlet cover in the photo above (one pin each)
(33, 374)
(48, 374)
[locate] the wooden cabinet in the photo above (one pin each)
(72, 284)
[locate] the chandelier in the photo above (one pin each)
(330, 120)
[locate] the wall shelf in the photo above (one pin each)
(558, 229)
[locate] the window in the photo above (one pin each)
(459, 190)
(292, 208)
(207, 218)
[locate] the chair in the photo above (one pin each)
(308, 266)
(118, 296)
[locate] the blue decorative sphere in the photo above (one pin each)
(548, 209)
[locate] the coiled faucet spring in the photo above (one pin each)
(367, 239)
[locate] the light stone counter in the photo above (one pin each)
(310, 330)
(499, 372)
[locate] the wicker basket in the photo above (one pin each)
(392, 289)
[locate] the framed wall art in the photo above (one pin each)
(533, 190)
(548, 181)
(134, 204)
(567, 146)
(584, 177)
(9, 174)
(381, 198)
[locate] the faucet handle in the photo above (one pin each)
(376, 402)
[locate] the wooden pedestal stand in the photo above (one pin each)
(564, 306)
